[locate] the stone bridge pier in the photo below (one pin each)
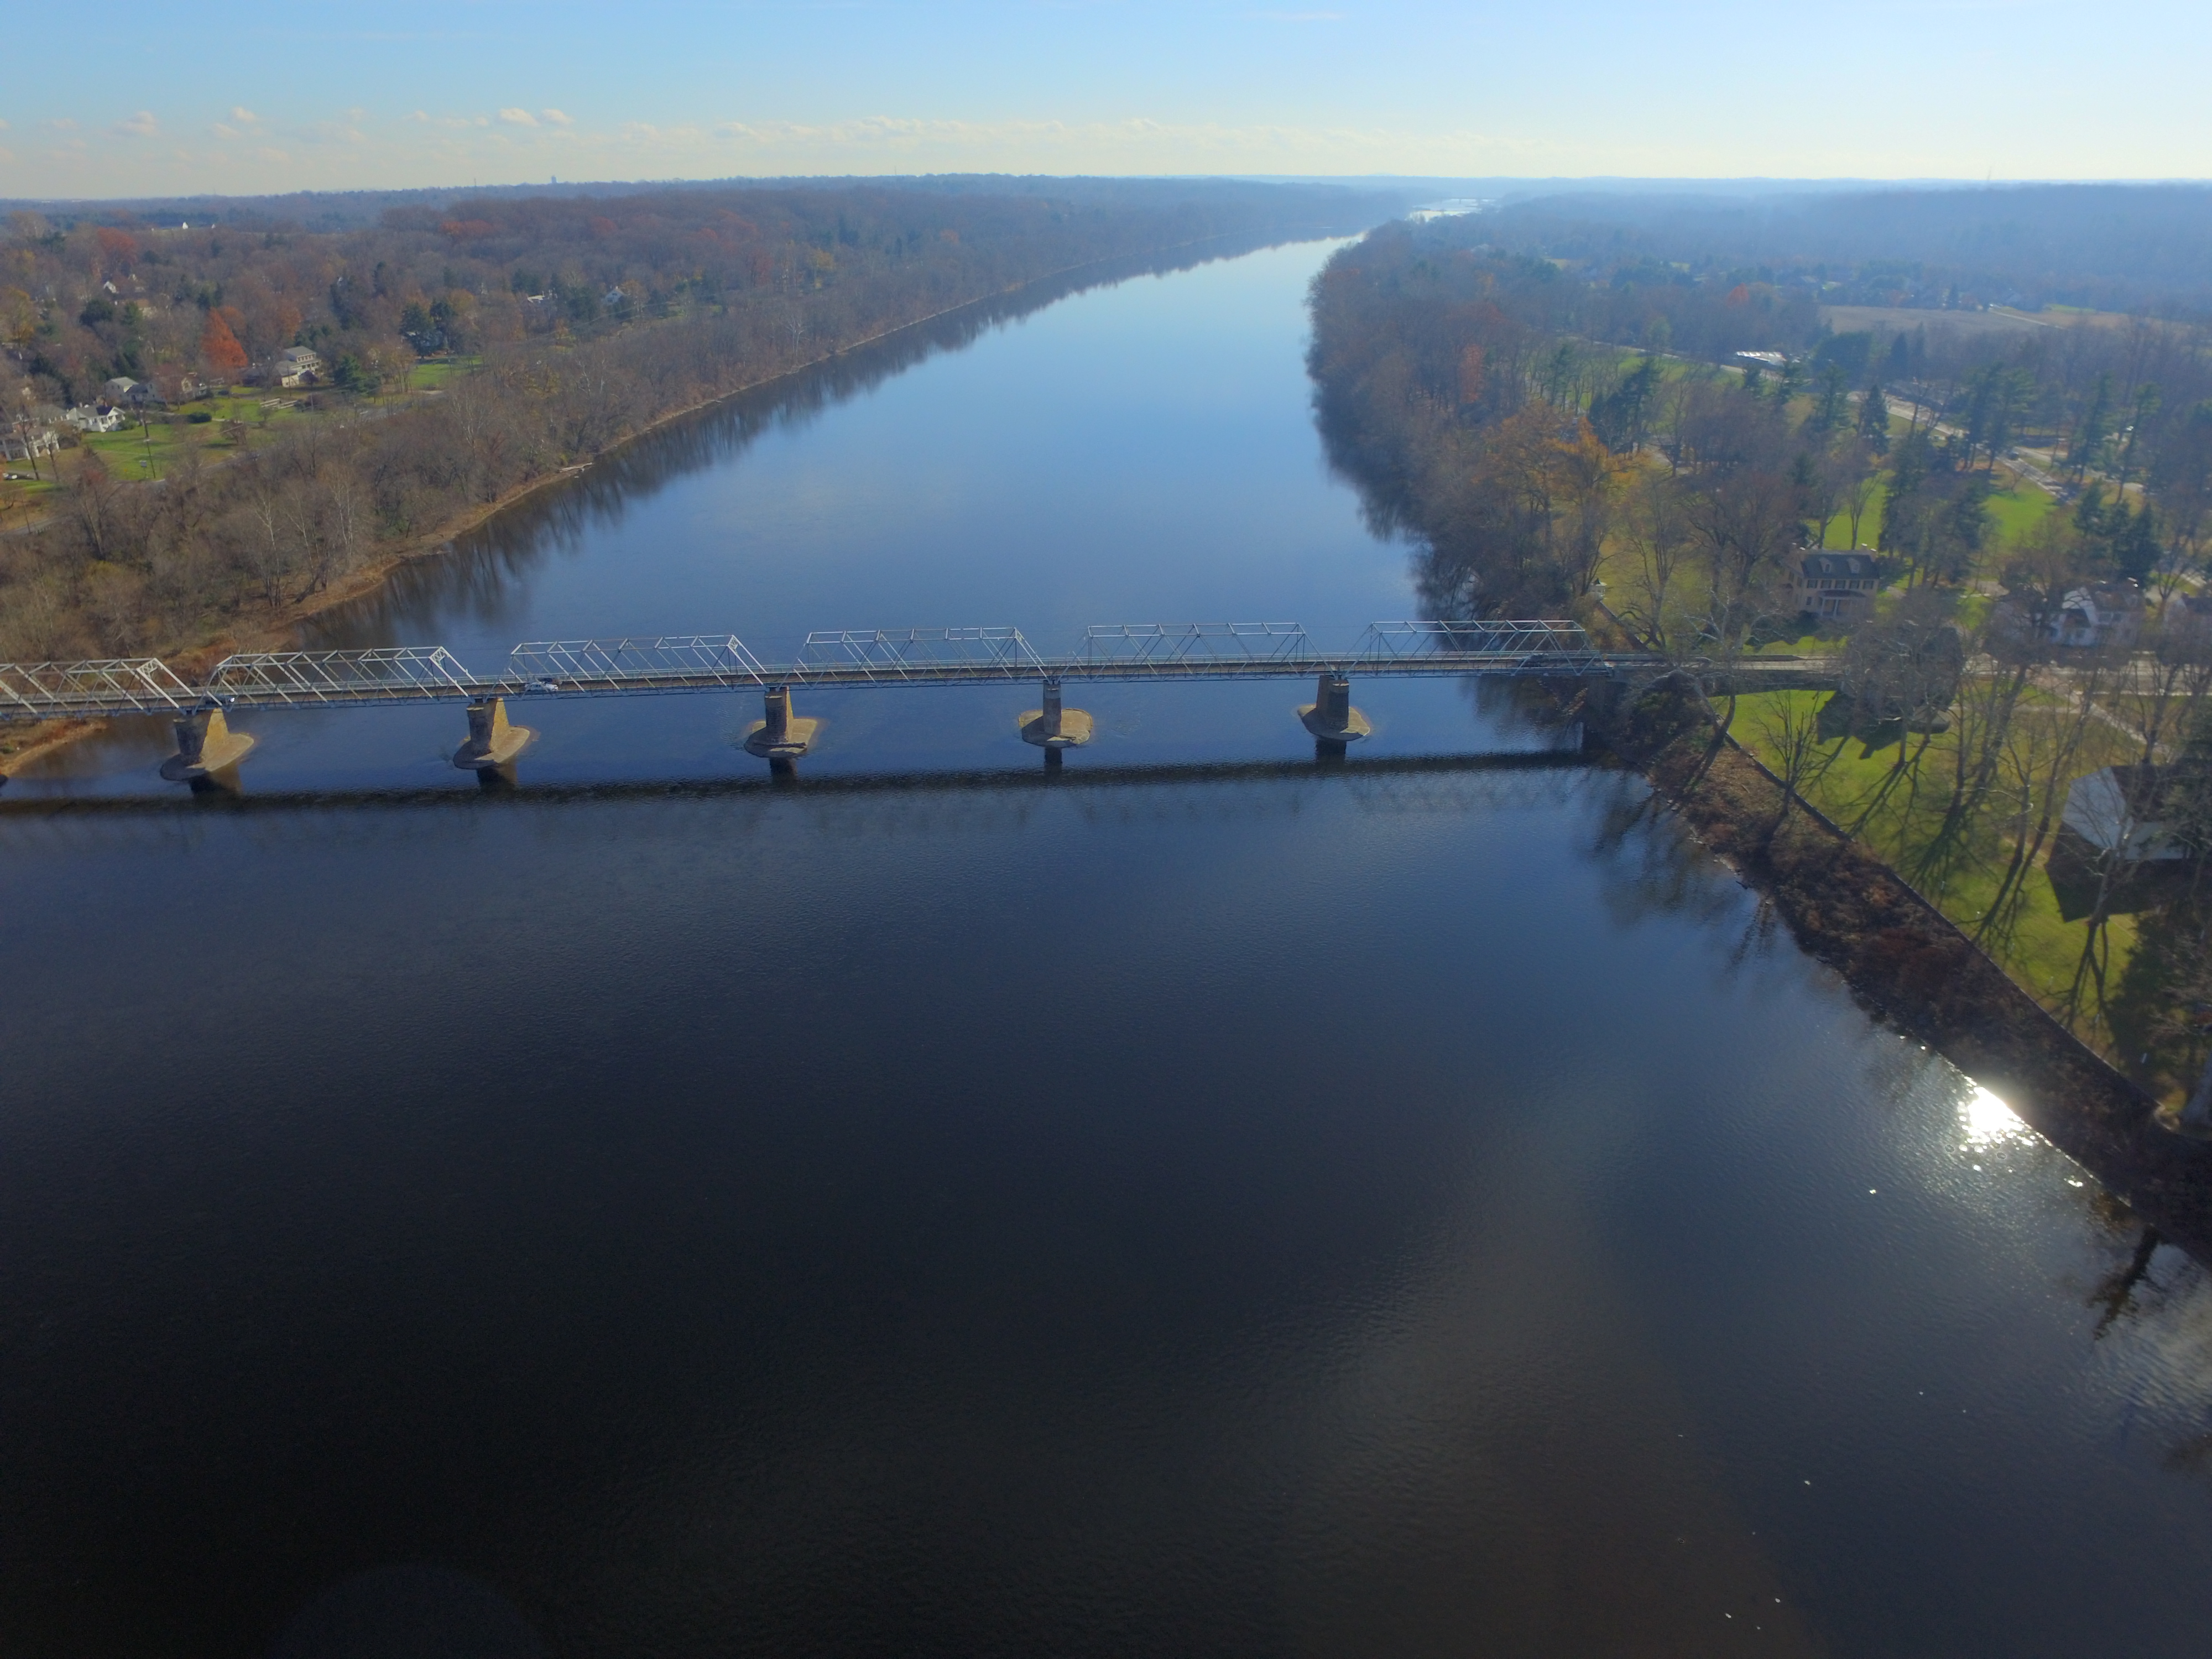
(1335, 723)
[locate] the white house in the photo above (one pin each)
(296, 366)
(29, 443)
(2109, 614)
(2112, 809)
(124, 390)
(96, 417)
(1837, 586)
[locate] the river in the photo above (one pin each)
(1203, 1201)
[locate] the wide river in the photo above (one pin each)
(1201, 1202)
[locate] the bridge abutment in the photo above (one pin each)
(1335, 723)
(492, 741)
(1054, 727)
(205, 746)
(782, 736)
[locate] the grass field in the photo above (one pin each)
(137, 452)
(1904, 824)
(2017, 510)
(1908, 319)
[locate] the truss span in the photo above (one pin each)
(942, 654)
(672, 662)
(403, 673)
(111, 685)
(844, 657)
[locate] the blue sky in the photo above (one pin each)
(161, 98)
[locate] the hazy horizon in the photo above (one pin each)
(1504, 187)
(497, 92)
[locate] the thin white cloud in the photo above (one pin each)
(556, 117)
(62, 123)
(141, 126)
(518, 117)
(243, 116)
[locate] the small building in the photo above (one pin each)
(2108, 614)
(122, 391)
(2121, 810)
(296, 366)
(28, 443)
(96, 417)
(1836, 586)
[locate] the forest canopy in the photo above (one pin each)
(563, 324)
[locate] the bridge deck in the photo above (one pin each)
(697, 663)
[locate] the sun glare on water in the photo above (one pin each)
(1986, 1122)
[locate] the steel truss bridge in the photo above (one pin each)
(552, 669)
(838, 658)
(548, 669)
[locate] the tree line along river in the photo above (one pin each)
(1208, 1203)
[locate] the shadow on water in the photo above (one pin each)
(1398, 785)
(478, 570)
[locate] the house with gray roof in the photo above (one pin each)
(1836, 586)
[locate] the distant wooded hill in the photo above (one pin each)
(2107, 246)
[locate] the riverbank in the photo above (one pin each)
(1909, 965)
(279, 629)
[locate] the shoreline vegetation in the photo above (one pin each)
(1909, 966)
(320, 512)
(1660, 446)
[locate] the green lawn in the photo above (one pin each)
(1838, 533)
(133, 452)
(2042, 948)
(439, 373)
(2018, 510)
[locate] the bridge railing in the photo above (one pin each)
(108, 685)
(1412, 641)
(880, 653)
(668, 659)
(405, 673)
(1166, 647)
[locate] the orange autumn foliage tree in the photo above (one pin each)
(119, 249)
(220, 348)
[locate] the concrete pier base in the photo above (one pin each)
(205, 746)
(781, 736)
(1331, 718)
(492, 741)
(1054, 728)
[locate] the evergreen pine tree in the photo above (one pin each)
(2089, 436)
(2090, 517)
(1830, 409)
(2135, 544)
(1873, 420)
